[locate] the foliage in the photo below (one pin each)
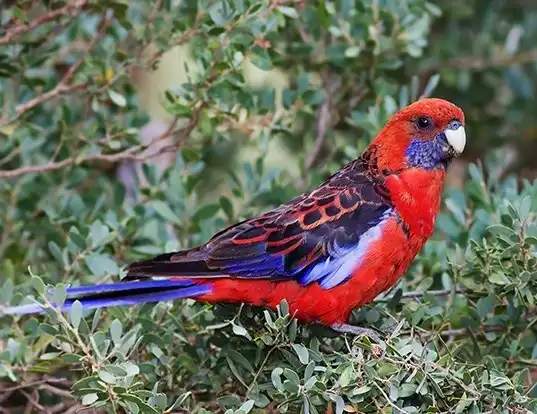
(460, 326)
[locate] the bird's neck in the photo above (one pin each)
(415, 193)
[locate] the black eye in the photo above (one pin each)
(424, 122)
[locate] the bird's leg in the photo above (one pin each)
(356, 330)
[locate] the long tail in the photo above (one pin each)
(121, 294)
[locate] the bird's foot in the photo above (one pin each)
(356, 330)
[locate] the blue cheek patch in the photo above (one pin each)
(428, 154)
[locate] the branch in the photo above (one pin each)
(464, 331)
(476, 63)
(132, 154)
(185, 37)
(323, 118)
(70, 9)
(56, 391)
(33, 401)
(63, 87)
(105, 23)
(420, 294)
(34, 383)
(60, 89)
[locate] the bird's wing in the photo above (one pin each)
(314, 237)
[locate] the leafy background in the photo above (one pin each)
(133, 128)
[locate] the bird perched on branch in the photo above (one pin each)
(328, 251)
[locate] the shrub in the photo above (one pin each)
(460, 326)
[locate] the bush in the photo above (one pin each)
(268, 98)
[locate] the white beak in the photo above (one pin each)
(456, 138)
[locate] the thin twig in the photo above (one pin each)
(464, 331)
(389, 401)
(265, 360)
(105, 23)
(71, 7)
(35, 383)
(323, 118)
(420, 294)
(56, 391)
(476, 63)
(59, 90)
(185, 37)
(34, 402)
(132, 154)
(64, 86)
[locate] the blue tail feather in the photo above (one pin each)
(120, 294)
(124, 286)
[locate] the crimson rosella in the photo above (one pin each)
(327, 251)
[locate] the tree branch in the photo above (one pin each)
(35, 383)
(63, 87)
(420, 294)
(132, 154)
(323, 118)
(60, 89)
(464, 331)
(71, 8)
(476, 63)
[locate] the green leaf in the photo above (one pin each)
(291, 376)
(218, 14)
(164, 210)
(226, 206)
(37, 283)
(206, 212)
(340, 404)
(485, 305)
(56, 252)
(239, 330)
(131, 369)
(247, 406)
(525, 208)
(99, 233)
(240, 359)
(260, 58)
(107, 376)
(75, 314)
(346, 376)
(89, 399)
(101, 265)
(59, 295)
(115, 331)
(302, 353)
(116, 370)
(49, 356)
(288, 11)
(276, 378)
(498, 278)
(500, 230)
(353, 51)
(48, 329)
(117, 98)
(431, 85)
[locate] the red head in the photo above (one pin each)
(426, 134)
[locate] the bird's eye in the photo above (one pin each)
(424, 122)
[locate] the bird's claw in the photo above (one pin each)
(356, 330)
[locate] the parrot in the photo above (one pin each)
(326, 252)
